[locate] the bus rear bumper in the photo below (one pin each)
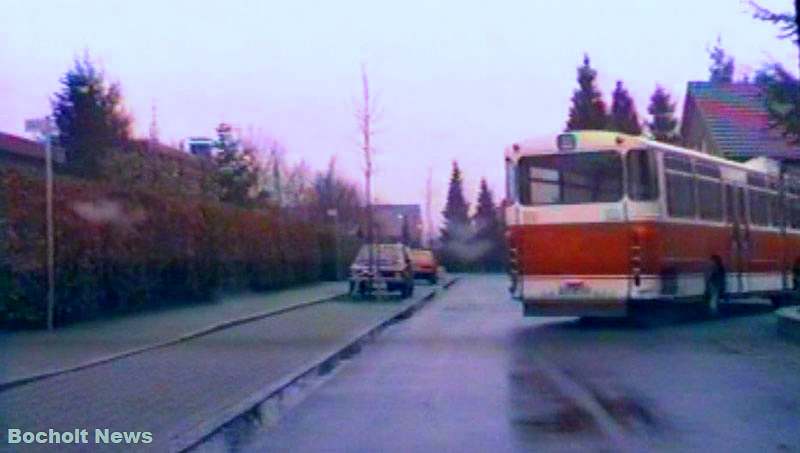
(602, 308)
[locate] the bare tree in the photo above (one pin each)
(365, 115)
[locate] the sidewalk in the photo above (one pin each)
(30, 353)
(184, 392)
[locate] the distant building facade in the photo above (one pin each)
(398, 223)
(25, 154)
(731, 120)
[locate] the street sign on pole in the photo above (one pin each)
(44, 126)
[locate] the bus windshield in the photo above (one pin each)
(590, 177)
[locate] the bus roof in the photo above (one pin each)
(592, 140)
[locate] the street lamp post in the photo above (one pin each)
(44, 126)
(334, 213)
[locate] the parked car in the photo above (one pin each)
(424, 265)
(391, 270)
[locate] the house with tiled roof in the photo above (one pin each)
(20, 152)
(731, 120)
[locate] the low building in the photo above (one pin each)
(731, 120)
(398, 223)
(22, 153)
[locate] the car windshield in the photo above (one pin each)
(586, 177)
(383, 256)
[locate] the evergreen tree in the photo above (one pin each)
(721, 69)
(781, 88)
(782, 92)
(488, 231)
(90, 118)
(662, 109)
(455, 235)
(588, 110)
(623, 112)
(788, 23)
(237, 169)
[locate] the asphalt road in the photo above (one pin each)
(469, 373)
(172, 390)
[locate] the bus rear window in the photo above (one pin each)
(642, 175)
(593, 177)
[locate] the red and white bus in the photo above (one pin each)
(600, 223)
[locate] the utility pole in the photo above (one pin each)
(365, 120)
(44, 127)
(429, 208)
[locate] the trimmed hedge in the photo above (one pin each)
(127, 250)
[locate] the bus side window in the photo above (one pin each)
(776, 213)
(794, 209)
(511, 181)
(759, 207)
(680, 195)
(709, 195)
(642, 175)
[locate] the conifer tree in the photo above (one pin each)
(588, 111)
(455, 235)
(237, 169)
(623, 112)
(90, 118)
(662, 109)
(781, 88)
(488, 231)
(721, 69)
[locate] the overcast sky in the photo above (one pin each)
(454, 79)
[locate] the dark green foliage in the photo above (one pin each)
(488, 228)
(90, 119)
(623, 113)
(588, 111)
(788, 23)
(781, 88)
(119, 251)
(662, 109)
(721, 69)
(782, 92)
(237, 172)
(456, 233)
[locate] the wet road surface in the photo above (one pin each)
(469, 373)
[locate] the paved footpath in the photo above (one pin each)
(31, 353)
(174, 390)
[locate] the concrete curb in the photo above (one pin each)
(789, 323)
(186, 337)
(199, 434)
